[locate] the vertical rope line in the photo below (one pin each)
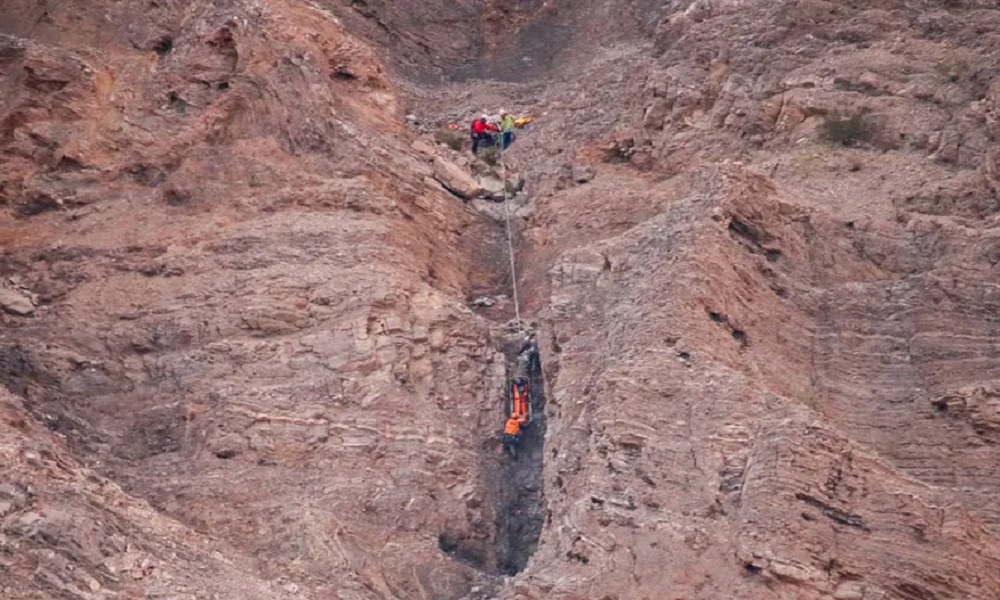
(510, 235)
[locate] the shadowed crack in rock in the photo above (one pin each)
(514, 489)
(519, 489)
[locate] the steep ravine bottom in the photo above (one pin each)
(518, 490)
(513, 486)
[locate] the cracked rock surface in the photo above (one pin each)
(247, 353)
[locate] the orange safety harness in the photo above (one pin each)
(520, 396)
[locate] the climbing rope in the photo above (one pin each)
(517, 301)
(510, 237)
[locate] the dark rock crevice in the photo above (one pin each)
(513, 488)
(518, 488)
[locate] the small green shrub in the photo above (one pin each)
(490, 155)
(848, 130)
(452, 138)
(953, 71)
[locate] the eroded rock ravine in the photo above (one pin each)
(515, 489)
(255, 300)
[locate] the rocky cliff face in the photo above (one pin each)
(757, 240)
(250, 293)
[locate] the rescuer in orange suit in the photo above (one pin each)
(512, 432)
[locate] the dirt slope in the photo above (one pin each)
(758, 239)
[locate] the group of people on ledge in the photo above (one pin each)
(497, 130)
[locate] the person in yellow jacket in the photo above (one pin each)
(507, 124)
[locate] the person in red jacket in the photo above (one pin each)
(481, 132)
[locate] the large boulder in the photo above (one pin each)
(455, 179)
(491, 186)
(656, 114)
(15, 303)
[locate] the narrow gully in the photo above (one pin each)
(512, 488)
(518, 491)
(517, 485)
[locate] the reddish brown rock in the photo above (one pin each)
(15, 302)
(757, 241)
(456, 180)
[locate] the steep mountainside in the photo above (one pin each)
(758, 241)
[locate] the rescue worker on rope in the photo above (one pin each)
(520, 396)
(512, 432)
